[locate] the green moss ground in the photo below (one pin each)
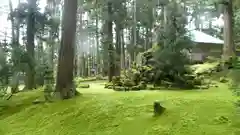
(103, 112)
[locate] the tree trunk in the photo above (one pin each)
(75, 68)
(18, 29)
(134, 29)
(147, 39)
(12, 21)
(65, 85)
(132, 50)
(88, 43)
(110, 43)
(118, 49)
(165, 22)
(151, 25)
(30, 45)
(17, 32)
(105, 49)
(123, 62)
(162, 16)
(97, 41)
(15, 80)
(228, 48)
(138, 38)
(84, 66)
(80, 67)
(51, 45)
(197, 22)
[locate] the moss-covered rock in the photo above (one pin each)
(109, 84)
(136, 88)
(116, 81)
(218, 68)
(127, 82)
(223, 80)
(119, 88)
(142, 85)
(79, 80)
(204, 87)
(84, 86)
(229, 64)
(151, 88)
(100, 77)
(109, 87)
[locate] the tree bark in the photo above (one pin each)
(147, 39)
(97, 41)
(123, 62)
(30, 45)
(17, 32)
(105, 48)
(228, 47)
(14, 81)
(52, 4)
(110, 43)
(12, 21)
(118, 49)
(151, 24)
(75, 67)
(65, 85)
(134, 29)
(133, 46)
(80, 55)
(165, 12)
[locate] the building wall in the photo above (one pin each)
(203, 50)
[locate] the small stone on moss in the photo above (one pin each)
(84, 86)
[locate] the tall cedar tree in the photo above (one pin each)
(110, 43)
(30, 44)
(171, 57)
(65, 82)
(228, 48)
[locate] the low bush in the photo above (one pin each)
(137, 78)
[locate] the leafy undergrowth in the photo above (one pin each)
(103, 112)
(199, 68)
